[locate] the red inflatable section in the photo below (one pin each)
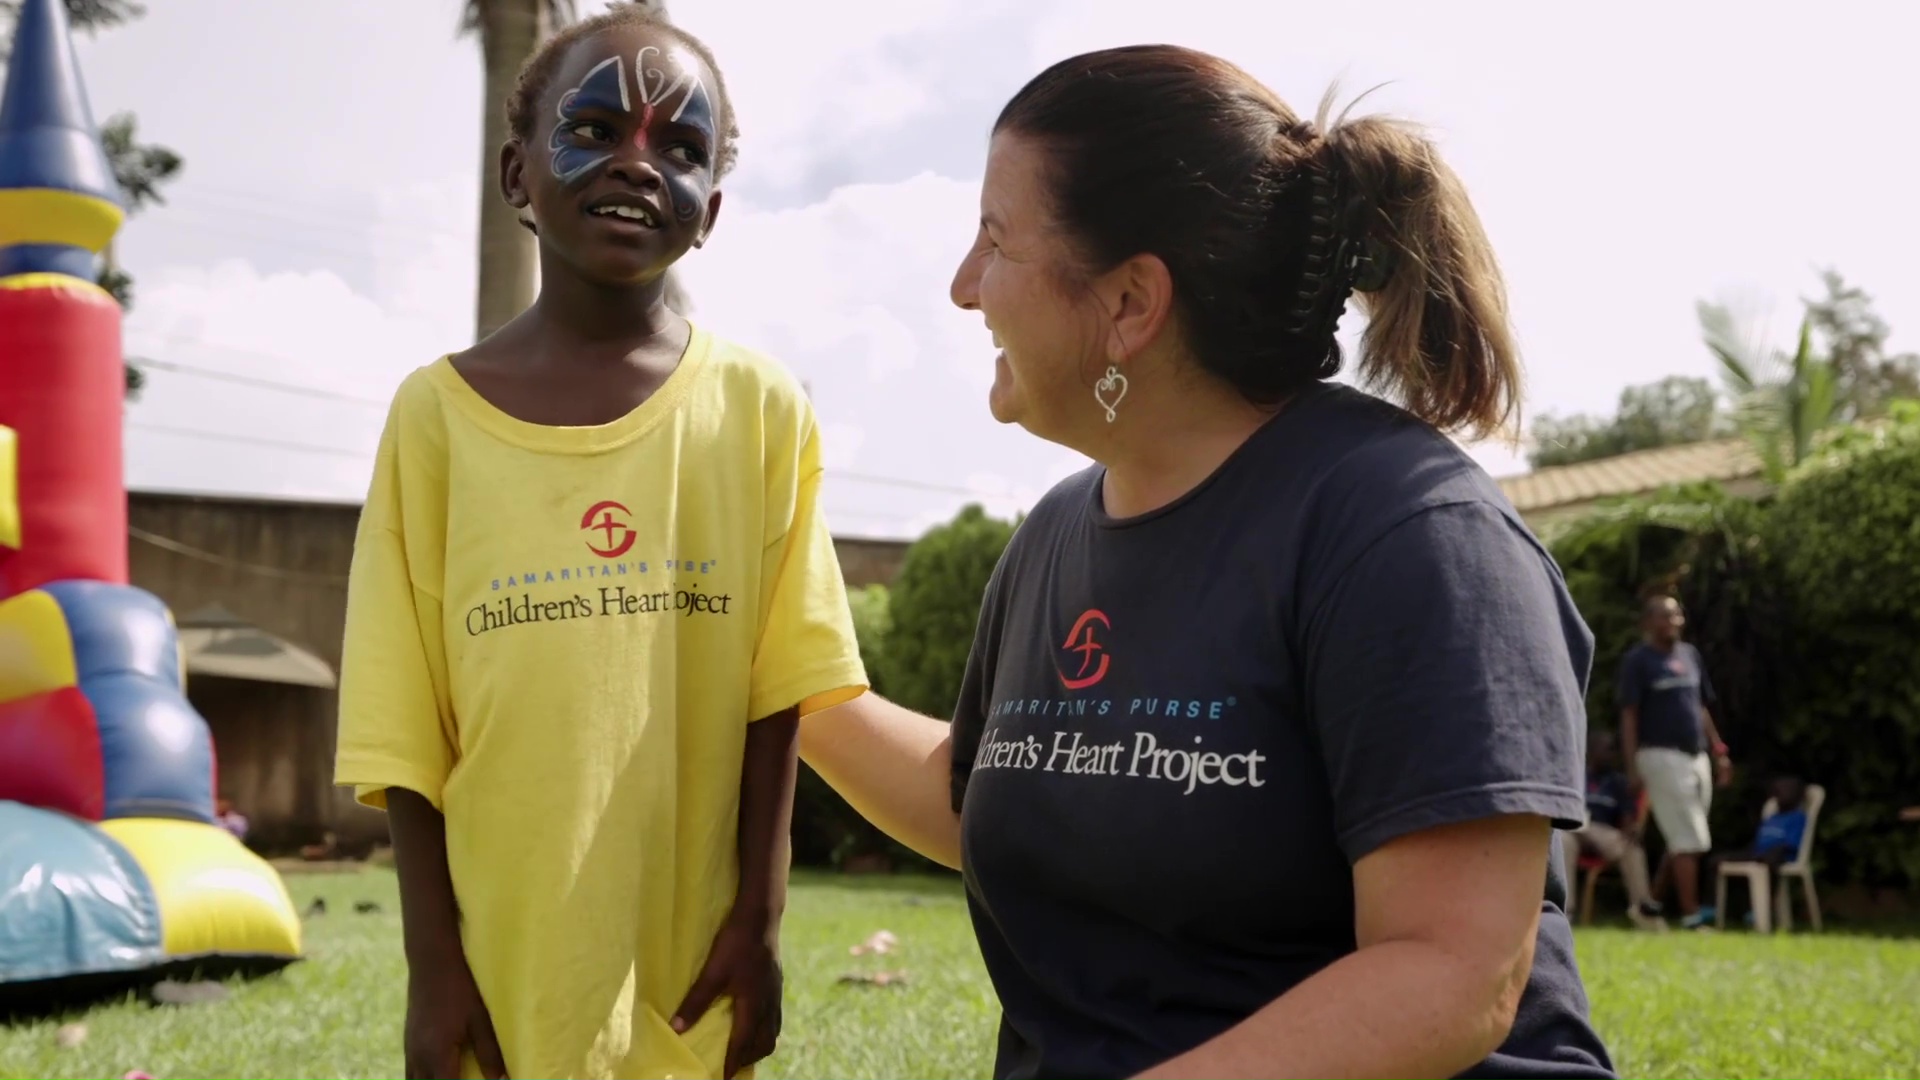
(61, 391)
(50, 754)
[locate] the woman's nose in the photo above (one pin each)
(965, 290)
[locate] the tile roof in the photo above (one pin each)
(1631, 474)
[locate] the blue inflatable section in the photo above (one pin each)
(71, 901)
(118, 629)
(157, 752)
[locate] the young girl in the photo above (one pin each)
(591, 595)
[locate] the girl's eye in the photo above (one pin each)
(592, 130)
(688, 153)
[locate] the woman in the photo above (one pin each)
(1270, 714)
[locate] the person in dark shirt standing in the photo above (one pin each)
(1270, 713)
(1667, 732)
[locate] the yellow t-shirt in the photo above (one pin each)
(559, 636)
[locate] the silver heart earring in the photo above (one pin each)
(1114, 384)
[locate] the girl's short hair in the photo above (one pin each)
(537, 73)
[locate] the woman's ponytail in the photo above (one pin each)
(1437, 336)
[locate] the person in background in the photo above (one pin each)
(1614, 825)
(1777, 841)
(230, 819)
(1666, 733)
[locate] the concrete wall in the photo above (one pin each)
(283, 567)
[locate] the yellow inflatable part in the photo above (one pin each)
(66, 283)
(53, 216)
(9, 488)
(36, 648)
(215, 897)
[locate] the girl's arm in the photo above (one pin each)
(1445, 920)
(743, 962)
(892, 765)
(766, 814)
(445, 1013)
(429, 915)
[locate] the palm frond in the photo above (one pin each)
(1743, 362)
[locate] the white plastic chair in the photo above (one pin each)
(1757, 873)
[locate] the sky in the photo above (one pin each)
(321, 236)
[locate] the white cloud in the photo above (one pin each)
(307, 329)
(849, 287)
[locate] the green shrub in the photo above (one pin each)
(935, 604)
(872, 618)
(827, 832)
(914, 639)
(1845, 533)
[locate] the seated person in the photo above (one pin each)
(1614, 825)
(1777, 841)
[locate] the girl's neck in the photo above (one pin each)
(572, 311)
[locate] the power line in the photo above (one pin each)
(916, 485)
(310, 448)
(297, 390)
(250, 440)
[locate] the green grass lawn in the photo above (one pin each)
(1673, 1005)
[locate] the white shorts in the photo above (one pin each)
(1680, 789)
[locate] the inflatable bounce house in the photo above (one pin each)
(113, 872)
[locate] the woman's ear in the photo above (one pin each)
(1138, 296)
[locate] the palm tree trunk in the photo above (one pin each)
(509, 258)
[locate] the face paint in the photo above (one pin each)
(603, 88)
(687, 190)
(673, 94)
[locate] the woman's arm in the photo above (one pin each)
(894, 766)
(1445, 921)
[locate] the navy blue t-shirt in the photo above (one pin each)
(1178, 732)
(1669, 689)
(1607, 798)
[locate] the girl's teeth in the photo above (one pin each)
(631, 213)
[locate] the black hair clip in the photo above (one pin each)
(1373, 266)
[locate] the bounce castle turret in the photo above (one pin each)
(113, 870)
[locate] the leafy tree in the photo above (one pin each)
(1854, 339)
(1676, 409)
(935, 606)
(141, 170)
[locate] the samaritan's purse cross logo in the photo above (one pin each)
(608, 536)
(1086, 656)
